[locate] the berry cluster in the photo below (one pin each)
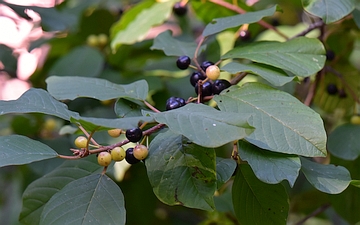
(174, 103)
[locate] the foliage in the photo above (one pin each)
(226, 154)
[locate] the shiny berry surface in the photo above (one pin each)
(195, 77)
(134, 135)
(206, 89)
(130, 158)
(174, 103)
(204, 65)
(220, 85)
(183, 62)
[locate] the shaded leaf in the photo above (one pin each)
(273, 75)
(256, 202)
(137, 29)
(344, 141)
(94, 199)
(180, 172)
(37, 100)
(221, 24)
(270, 167)
(282, 123)
(205, 125)
(326, 178)
(329, 10)
(347, 204)
(224, 170)
(18, 150)
(125, 108)
(82, 61)
(63, 88)
(174, 47)
(302, 56)
(38, 193)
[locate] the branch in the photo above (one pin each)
(314, 213)
(238, 78)
(311, 27)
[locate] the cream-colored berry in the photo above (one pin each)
(140, 152)
(114, 132)
(213, 72)
(81, 142)
(104, 158)
(118, 154)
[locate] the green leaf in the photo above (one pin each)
(205, 125)
(326, 178)
(347, 204)
(37, 100)
(270, 167)
(282, 123)
(63, 88)
(174, 47)
(302, 56)
(344, 142)
(273, 75)
(81, 61)
(94, 199)
(224, 170)
(221, 24)
(256, 202)
(125, 108)
(91, 123)
(137, 30)
(18, 150)
(180, 172)
(355, 183)
(329, 10)
(38, 193)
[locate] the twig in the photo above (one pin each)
(340, 76)
(314, 213)
(311, 92)
(311, 27)
(242, 11)
(201, 41)
(238, 78)
(87, 135)
(151, 107)
(69, 157)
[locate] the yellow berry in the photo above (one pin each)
(102, 39)
(118, 154)
(140, 152)
(213, 72)
(355, 119)
(92, 40)
(81, 142)
(50, 124)
(114, 132)
(104, 158)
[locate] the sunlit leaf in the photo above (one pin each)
(329, 10)
(326, 178)
(270, 167)
(205, 125)
(221, 24)
(302, 56)
(74, 87)
(18, 150)
(94, 199)
(282, 123)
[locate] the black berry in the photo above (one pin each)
(206, 89)
(179, 10)
(130, 158)
(332, 89)
(195, 77)
(330, 55)
(183, 62)
(204, 65)
(245, 35)
(134, 135)
(220, 85)
(174, 103)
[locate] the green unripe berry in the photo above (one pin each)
(118, 154)
(81, 142)
(140, 152)
(114, 132)
(92, 40)
(102, 39)
(104, 158)
(213, 72)
(355, 119)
